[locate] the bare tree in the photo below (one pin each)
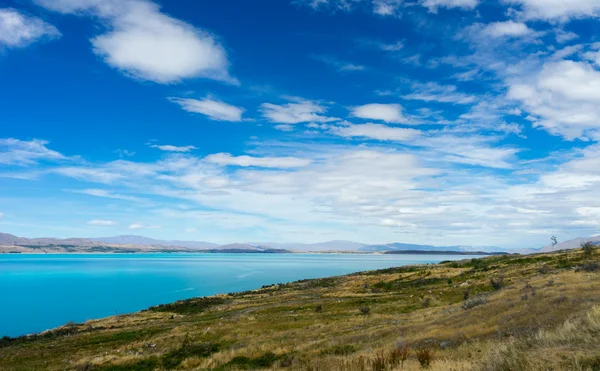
(554, 241)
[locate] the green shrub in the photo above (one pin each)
(173, 358)
(588, 249)
(340, 350)
(191, 306)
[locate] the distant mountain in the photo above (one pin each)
(571, 244)
(141, 240)
(336, 245)
(146, 243)
(10, 240)
(414, 247)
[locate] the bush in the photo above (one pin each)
(365, 311)
(340, 350)
(174, 358)
(497, 283)
(589, 267)
(399, 355)
(425, 357)
(588, 249)
(544, 269)
(426, 303)
(379, 362)
(319, 308)
(474, 302)
(246, 363)
(191, 306)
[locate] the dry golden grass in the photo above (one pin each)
(546, 317)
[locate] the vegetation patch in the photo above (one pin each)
(246, 363)
(340, 350)
(174, 358)
(191, 306)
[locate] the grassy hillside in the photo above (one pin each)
(538, 312)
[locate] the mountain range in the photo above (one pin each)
(142, 243)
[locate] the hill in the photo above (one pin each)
(140, 240)
(571, 244)
(539, 312)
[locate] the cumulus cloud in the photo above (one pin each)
(390, 113)
(564, 98)
(102, 223)
(559, 10)
(171, 148)
(226, 159)
(214, 109)
(147, 44)
(297, 111)
(507, 29)
(376, 131)
(18, 30)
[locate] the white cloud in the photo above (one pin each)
(147, 44)
(563, 36)
(340, 66)
(18, 30)
(433, 5)
(561, 10)
(434, 92)
(298, 111)
(399, 45)
(564, 98)
(143, 226)
(472, 150)
(390, 113)
(106, 194)
(1, 215)
(102, 223)
(214, 109)
(171, 148)
(25, 153)
(507, 29)
(389, 7)
(377, 132)
(190, 230)
(226, 159)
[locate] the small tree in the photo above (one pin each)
(588, 249)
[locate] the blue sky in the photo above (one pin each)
(425, 121)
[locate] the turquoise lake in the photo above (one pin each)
(39, 292)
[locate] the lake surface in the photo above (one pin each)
(39, 292)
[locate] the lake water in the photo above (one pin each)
(39, 292)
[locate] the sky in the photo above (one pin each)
(443, 122)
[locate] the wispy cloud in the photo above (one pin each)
(102, 223)
(339, 65)
(297, 111)
(18, 30)
(171, 148)
(213, 109)
(23, 153)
